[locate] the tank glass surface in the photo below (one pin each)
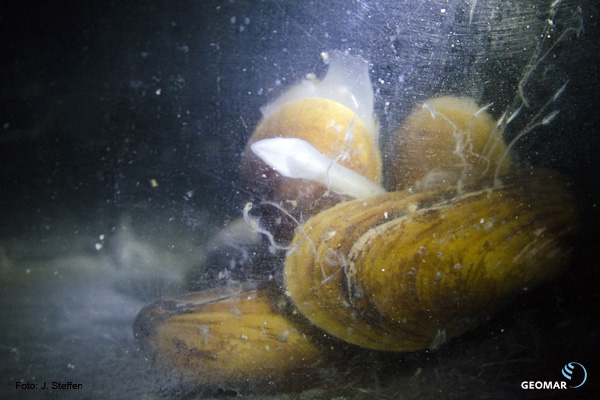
(127, 177)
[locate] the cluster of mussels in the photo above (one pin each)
(459, 232)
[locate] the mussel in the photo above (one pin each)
(403, 271)
(317, 144)
(239, 337)
(447, 141)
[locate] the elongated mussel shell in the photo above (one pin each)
(237, 338)
(404, 271)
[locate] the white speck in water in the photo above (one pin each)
(412, 207)
(203, 329)
(283, 337)
(232, 20)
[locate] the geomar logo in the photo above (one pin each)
(567, 372)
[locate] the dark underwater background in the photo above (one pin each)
(121, 130)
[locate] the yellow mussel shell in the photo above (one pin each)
(447, 141)
(332, 129)
(330, 120)
(405, 271)
(236, 338)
